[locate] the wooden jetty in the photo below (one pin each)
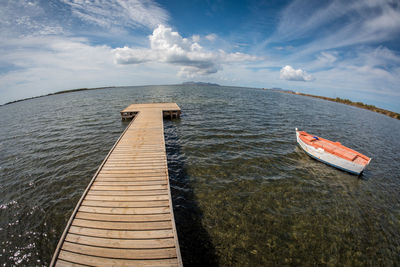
(125, 215)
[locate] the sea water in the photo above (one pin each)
(244, 193)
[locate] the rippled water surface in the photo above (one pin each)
(244, 193)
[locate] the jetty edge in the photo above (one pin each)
(125, 215)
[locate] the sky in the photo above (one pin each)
(338, 48)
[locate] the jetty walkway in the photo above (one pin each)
(125, 215)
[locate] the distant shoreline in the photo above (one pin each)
(338, 100)
(96, 88)
(57, 93)
(350, 103)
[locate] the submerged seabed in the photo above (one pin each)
(244, 193)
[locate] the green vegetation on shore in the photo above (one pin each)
(351, 103)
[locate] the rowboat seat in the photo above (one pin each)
(329, 148)
(348, 155)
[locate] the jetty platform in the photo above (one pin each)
(125, 215)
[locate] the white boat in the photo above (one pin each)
(332, 153)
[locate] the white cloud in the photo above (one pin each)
(327, 58)
(337, 23)
(363, 75)
(379, 67)
(167, 46)
(287, 47)
(211, 37)
(290, 74)
(324, 60)
(45, 64)
(196, 38)
(126, 55)
(126, 13)
(22, 18)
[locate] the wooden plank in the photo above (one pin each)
(137, 152)
(127, 155)
(141, 106)
(150, 142)
(131, 175)
(144, 143)
(123, 218)
(127, 169)
(130, 179)
(128, 193)
(162, 253)
(135, 142)
(128, 198)
(121, 243)
(140, 159)
(141, 134)
(125, 210)
(138, 145)
(137, 138)
(131, 142)
(122, 234)
(129, 187)
(61, 263)
(146, 162)
(134, 153)
(143, 159)
(149, 163)
(144, 151)
(154, 172)
(125, 204)
(141, 146)
(98, 261)
(138, 226)
(149, 182)
(138, 155)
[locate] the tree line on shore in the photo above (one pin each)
(356, 104)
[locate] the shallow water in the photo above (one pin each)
(244, 193)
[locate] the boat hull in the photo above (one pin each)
(330, 159)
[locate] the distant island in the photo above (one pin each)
(345, 101)
(201, 83)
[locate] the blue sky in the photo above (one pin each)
(347, 49)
